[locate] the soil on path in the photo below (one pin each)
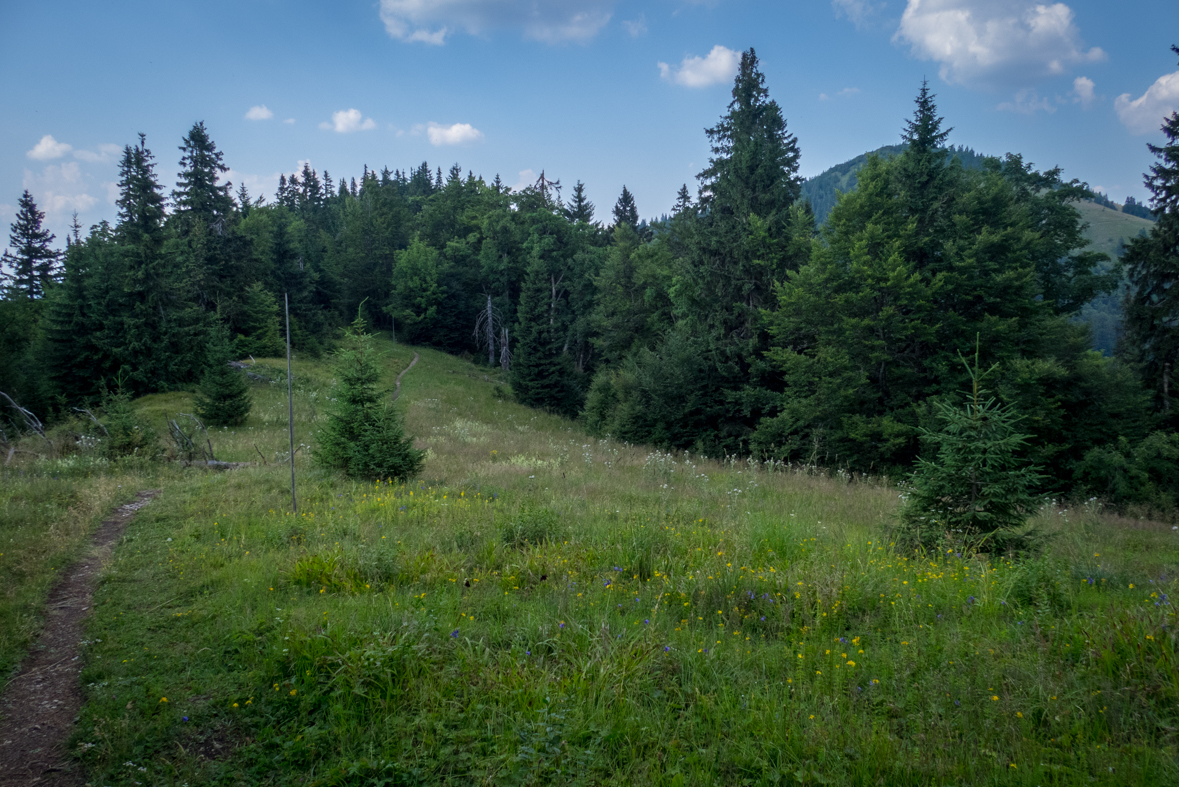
(397, 382)
(38, 707)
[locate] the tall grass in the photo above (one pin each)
(546, 608)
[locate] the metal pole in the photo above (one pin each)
(286, 302)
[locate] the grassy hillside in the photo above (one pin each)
(546, 608)
(1110, 229)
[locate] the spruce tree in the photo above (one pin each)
(541, 372)
(922, 175)
(31, 262)
(197, 194)
(978, 489)
(74, 353)
(579, 208)
(150, 326)
(363, 436)
(683, 200)
(1151, 308)
(625, 210)
(223, 398)
(261, 335)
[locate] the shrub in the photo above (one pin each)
(127, 434)
(363, 436)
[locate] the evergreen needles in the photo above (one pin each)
(224, 395)
(364, 436)
(978, 490)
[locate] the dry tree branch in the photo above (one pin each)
(31, 421)
(92, 418)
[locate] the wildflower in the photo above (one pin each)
(454, 633)
(163, 699)
(294, 692)
(184, 718)
(994, 698)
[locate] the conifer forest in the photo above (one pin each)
(738, 325)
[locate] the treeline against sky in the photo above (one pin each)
(735, 325)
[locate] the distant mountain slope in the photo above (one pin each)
(1108, 230)
(823, 190)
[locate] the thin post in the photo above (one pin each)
(286, 302)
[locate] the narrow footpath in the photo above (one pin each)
(39, 706)
(397, 382)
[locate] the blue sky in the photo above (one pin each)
(610, 92)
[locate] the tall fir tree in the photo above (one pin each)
(683, 200)
(579, 208)
(1151, 307)
(625, 210)
(150, 326)
(197, 194)
(923, 178)
(32, 263)
(542, 374)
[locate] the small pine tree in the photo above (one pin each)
(262, 336)
(125, 432)
(224, 396)
(978, 490)
(364, 436)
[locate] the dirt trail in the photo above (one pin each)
(397, 382)
(39, 706)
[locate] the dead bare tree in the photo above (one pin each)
(186, 444)
(92, 418)
(489, 322)
(505, 355)
(32, 422)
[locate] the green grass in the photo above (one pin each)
(546, 608)
(1108, 226)
(48, 508)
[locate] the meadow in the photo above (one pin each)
(542, 607)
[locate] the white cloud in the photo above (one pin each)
(48, 148)
(105, 152)
(289, 120)
(847, 91)
(257, 185)
(348, 120)
(1027, 102)
(1083, 91)
(260, 112)
(1145, 113)
(857, 11)
(457, 134)
(635, 27)
(720, 65)
(994, 43)
(431, 21)
(59, 190)
(527, 177)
